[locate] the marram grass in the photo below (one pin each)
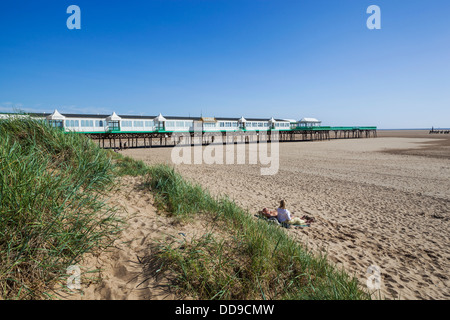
(50, 207)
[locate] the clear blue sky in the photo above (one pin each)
(255, 58)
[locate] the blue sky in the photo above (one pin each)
(251, 58)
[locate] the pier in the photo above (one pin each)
(125, 140)
(132, 131)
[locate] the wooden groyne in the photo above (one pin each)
(439, 131)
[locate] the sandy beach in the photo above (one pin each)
(140, 153)
(381, 201)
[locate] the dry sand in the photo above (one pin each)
(382, 201)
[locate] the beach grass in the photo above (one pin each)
(51, 207)
(126, 166)
(245, 257)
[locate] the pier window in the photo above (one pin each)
(149, 123)
(170, 124)
(56, 123)
(113, 125)
(138, 123)
(127, 124)
(72, 123)
(99, 123)
(87, 123)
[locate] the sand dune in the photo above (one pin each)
(126, 271)
(373, 205)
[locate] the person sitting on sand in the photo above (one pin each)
(269, 213)
(285, 216)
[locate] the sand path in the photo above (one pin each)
(126, 270)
